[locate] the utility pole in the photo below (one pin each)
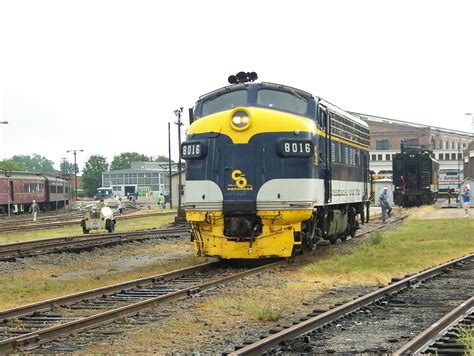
(8, 174)
(67, 178)
(178, 122)
(75, 168)
(169, 166)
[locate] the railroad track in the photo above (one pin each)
(30, 326)
(306, 335)
(27, 327)
(441, 338)
(82, 242)
(16, 226)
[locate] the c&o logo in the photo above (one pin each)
(240, 181)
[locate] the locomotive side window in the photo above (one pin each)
(224, 102)
(282, 100)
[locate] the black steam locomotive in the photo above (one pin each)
(415, 177)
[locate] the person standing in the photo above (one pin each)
(34, 208)
(120, 206)
(466, 200)
(449, 195)
(384, 203)
(161, 201)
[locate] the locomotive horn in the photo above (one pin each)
(233, 79)
(242, 77)
(252, 76)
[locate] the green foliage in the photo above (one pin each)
(124, 160)
(265, 314)
(92, 174)
(376, 238)
(161, 158)
(466, 338)
(13, 166)
(68, 168)
(35, 163)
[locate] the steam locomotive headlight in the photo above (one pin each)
(240, 120)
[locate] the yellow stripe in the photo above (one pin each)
(261, 121)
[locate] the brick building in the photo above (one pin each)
(386, 134)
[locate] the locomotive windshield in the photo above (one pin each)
(282, 100)
(224, 102)
(263, 95)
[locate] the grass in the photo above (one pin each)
(43, 283)
(122, 226)
(419, 244)
(467, 339)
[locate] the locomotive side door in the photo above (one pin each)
(325, 122)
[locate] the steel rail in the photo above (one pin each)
(295, 331)
(46, 225)
(71, 298)
(435, 331)
(29, 248)
(33, 339)
(51, 333)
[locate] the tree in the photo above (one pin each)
(124, 160)
(14, 166)
(35, 163)
(161, 158)
(67, 168)
(92, 174)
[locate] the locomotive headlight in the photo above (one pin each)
(240, 120)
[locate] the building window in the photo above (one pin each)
(387, 157)
(453, 156)
(411, 142)
(374, 157)
(379, 157)
(459, 155)
(440, 156)
(382, 145)
(439, 144)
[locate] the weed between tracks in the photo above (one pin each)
(467, 339)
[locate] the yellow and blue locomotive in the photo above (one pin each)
(271, 170)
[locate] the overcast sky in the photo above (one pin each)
(105, 76)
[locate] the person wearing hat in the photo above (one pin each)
(466, 200)
(34, 208)
(384, 203)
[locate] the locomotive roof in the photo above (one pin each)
(343, 113)
(329, 105)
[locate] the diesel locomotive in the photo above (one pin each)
(271, 170)
(415, 177)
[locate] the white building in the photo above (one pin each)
(141, 177)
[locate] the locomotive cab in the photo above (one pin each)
(98, 219)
